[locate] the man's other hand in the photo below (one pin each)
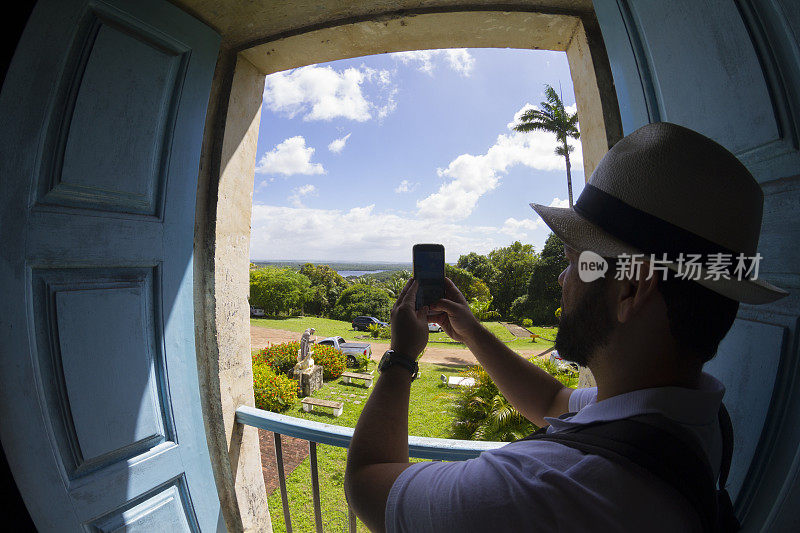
(409, 326)
(454, 314)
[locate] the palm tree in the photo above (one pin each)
(554, 119)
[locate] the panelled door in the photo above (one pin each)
(729, 69)
(102, 113)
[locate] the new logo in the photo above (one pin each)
(591, 266)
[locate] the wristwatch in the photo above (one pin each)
(392, 357)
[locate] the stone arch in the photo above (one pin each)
(262, 38)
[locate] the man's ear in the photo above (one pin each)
(632, 294)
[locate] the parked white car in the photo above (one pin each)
(256, 312)
(562, 363)
(433, 327)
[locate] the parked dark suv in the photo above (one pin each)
(363, 322)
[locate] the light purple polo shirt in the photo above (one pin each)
(545, 486)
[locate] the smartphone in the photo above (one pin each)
(429, 273)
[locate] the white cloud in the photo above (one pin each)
(337, 145)
(521, 229)
(260, 185)
(518, 229)
(406, 186)
(299, 192)
(288, 158)
(362, 233)
(519, 114)
(557, 202)
(322, 93)
(472, 176)
(458, 59)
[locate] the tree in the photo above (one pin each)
(555, 119)
(278, 290)
(478, 265)
(394, 285)
(326, 286)
(361, 299)
(543, 291)
(471, 287)
(513, 265)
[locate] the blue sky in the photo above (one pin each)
(361, 158)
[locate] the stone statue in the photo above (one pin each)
(304, 354)
(308, 375)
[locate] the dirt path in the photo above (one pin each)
(517, 331)
(260, 337)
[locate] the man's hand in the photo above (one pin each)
(454, 315)
(409, 326)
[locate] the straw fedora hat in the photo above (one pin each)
(665, 189)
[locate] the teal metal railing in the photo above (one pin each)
(318, 432)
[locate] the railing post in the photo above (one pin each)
(312, 446)
(351, 520)
(282, 479)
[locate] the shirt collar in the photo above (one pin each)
(686, 406)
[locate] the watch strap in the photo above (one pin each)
(392, 357)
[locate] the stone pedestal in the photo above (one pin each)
(309, 380)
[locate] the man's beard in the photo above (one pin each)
(586, 328)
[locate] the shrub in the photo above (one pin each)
(541, 312)
(272, 392)
(281, 358)
(527, 323)
(333, 361)
(481, 412)
(480, 308)
(381, 332)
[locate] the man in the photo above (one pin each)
(645, 332)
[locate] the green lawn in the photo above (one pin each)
(326, 327)
(428, 417)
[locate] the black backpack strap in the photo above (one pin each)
(543, 430)
(727, 445)
(667, 450)
(653, 448)
(726, 518)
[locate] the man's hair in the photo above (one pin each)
(698, 317)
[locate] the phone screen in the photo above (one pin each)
(429, 273)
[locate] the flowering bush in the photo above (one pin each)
(332, 360)
(280, 357)
(526, 323)
(273, 392)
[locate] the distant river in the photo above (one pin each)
(347, 273)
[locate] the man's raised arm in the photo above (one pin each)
(531, 390)
(378, 453)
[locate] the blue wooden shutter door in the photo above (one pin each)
(730, 71)
(103, 110)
